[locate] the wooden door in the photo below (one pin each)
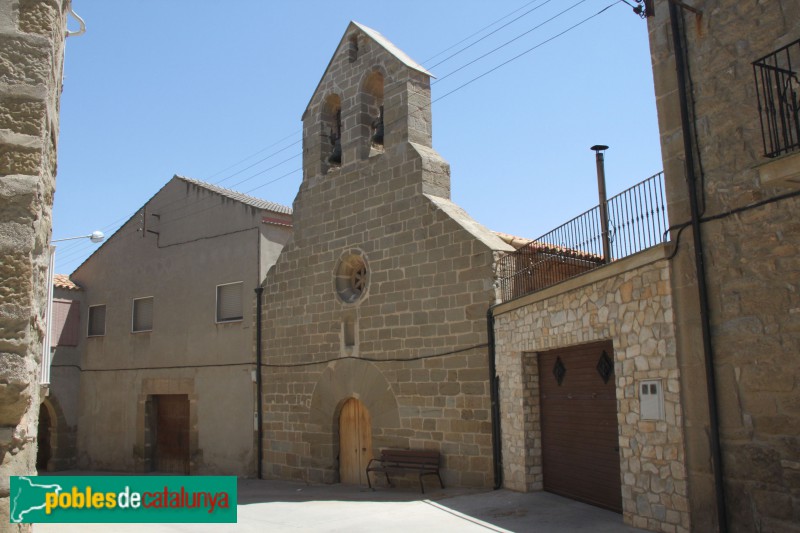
(355, 442)
(172, 433)
(580, 443)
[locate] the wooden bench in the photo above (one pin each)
(423, 462)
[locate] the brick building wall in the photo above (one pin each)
(31, 61)
(752, 262)
(410, 345)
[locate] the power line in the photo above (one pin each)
(529, 50)
(208, 178)
(470, 81)
(491, 33)
(573, 6)
(273, 154)
(78, 245)
(418, 110)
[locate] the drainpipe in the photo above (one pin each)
(259, 400)
(716, 451)
(494, 393)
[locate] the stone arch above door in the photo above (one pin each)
(340, 381)
(57, 436)
(353, 378)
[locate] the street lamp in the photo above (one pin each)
(95, 237)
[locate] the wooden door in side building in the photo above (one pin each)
(580, 443)
(355, 442)
(171, 453)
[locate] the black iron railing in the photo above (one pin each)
(777, 86)
(637, 220)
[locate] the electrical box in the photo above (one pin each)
(651, 399)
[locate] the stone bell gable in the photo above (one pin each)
(368, 86)
(375, 314)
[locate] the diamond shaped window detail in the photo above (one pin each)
(559, 371)
(605, 367)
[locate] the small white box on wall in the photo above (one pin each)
(651, 399)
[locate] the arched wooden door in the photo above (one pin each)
(355, 442)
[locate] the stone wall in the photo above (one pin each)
(630, 303)
(31, 60)
(410, 343)
(419, 360)
(752, 260)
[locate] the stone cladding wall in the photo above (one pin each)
(629, 302)
(31, 60)
(752, 263)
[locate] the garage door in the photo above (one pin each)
(580, 447)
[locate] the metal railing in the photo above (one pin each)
(637, 220)
(777, 87)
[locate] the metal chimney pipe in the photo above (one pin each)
(601, 191)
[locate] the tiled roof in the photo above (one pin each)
(62, 281)
(513, 240)
(539, 246)
(239, 197)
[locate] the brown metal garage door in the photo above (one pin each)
(580, 447)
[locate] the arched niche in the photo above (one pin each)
(372, 112)
(331, 132)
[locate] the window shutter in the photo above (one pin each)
(64, 323)
(97, 320)
(229, 302)
(143, 314)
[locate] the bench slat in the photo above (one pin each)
(424, 462)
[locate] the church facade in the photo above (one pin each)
(375, 330)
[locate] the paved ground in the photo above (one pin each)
(278, 506)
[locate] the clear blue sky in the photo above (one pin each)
(157, 88)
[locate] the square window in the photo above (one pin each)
(97, 321)
(142, 314)
(229, 302)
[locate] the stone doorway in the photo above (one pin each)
(355, 442)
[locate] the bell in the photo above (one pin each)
(377, 125)
(336, 154)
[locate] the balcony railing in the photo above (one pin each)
(777, 86)
(637, 220)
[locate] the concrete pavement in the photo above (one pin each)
(278, 506)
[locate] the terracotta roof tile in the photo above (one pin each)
(62, 281)
(513, 240)
(540, 246)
